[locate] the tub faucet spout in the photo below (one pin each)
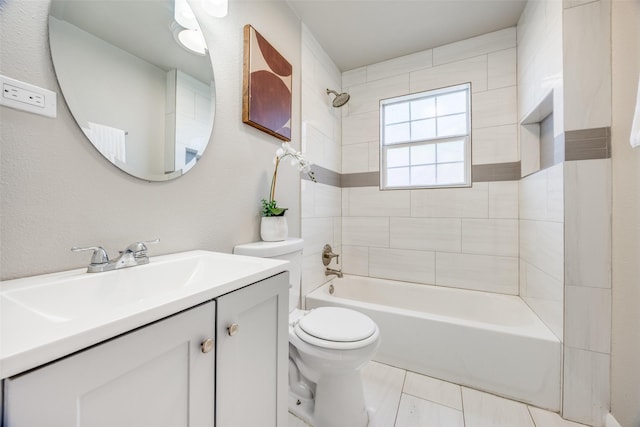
(330, 271)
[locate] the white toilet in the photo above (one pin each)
(327, 348)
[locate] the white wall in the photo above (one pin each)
(465, 238)
(625, 354)
(57, 191)
(321, 142)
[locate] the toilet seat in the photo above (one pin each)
(336, 328)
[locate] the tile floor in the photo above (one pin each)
(406, 399)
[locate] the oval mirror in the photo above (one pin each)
(144, 100)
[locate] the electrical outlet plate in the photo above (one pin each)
(27, 97)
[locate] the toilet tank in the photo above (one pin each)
(289, 250)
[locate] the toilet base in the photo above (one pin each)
(338, 402)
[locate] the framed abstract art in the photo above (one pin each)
(266, 89)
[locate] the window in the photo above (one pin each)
(425, 139)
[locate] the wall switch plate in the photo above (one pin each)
(27, 97)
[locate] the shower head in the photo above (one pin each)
(340, 99)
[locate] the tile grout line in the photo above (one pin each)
(404, 380)
(464, 418)
(533, 421)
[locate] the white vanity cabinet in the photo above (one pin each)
(155, 376)
(168, 373)
(252, 355)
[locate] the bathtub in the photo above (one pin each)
(486, 341)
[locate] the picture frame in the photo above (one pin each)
(266, 88)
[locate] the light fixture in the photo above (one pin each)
(216, 8)
(186, 29)
(184, 16)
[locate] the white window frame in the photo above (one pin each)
(435, 140)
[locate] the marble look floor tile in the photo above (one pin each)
(543, 418)
(486, 410)
(432, 389)
(415, 412)
(382, 390)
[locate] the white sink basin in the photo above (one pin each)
(49, 316)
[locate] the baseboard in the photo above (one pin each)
(611, 421)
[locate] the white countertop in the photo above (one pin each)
(43, 318)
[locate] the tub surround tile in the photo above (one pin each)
(588, 318)
(542, 245)
(365, 231)
(366, 97)
(400, 65)
(502, 68)
(541, 285)
(496, 172)
(494, 108)
(472, 70)
(486, 43)
(434, 390)
(495, 144)
(550, 312)
(323, 176)
(355, 260)
(370, 201)
(382, 391)
(363, 179)
(374, 156)
(355, 158)
(427, 234)
(503, 199)
(363, 127)
(451, 202)
(316, 231)
(586, 57)
(354, 77)
(328, 201)
(588, 224)
(486, 410)
(414, 412)
(586, 386)
(401, 264)
(478, 272)
(490, 237)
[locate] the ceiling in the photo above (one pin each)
(355, 33)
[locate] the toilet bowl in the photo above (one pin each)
(328, 346)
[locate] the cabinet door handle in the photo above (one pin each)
(207, 345)
(232, 329)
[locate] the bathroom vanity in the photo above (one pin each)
(209, 350)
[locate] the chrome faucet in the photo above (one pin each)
(330, 271)
(134, 254)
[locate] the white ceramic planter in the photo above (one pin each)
(274, 228)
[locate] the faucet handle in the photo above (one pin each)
(327, 255)
(139, 249)
(99, 254)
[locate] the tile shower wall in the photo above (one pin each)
(540, 72)
(463, 237)
(321, 135)
(542, 245)
(587, 277)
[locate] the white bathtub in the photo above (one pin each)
(487, 341)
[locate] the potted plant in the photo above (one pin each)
(273, 225)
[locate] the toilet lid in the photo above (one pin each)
(337, 324)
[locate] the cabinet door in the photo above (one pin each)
(155, 376)
(252, 355)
